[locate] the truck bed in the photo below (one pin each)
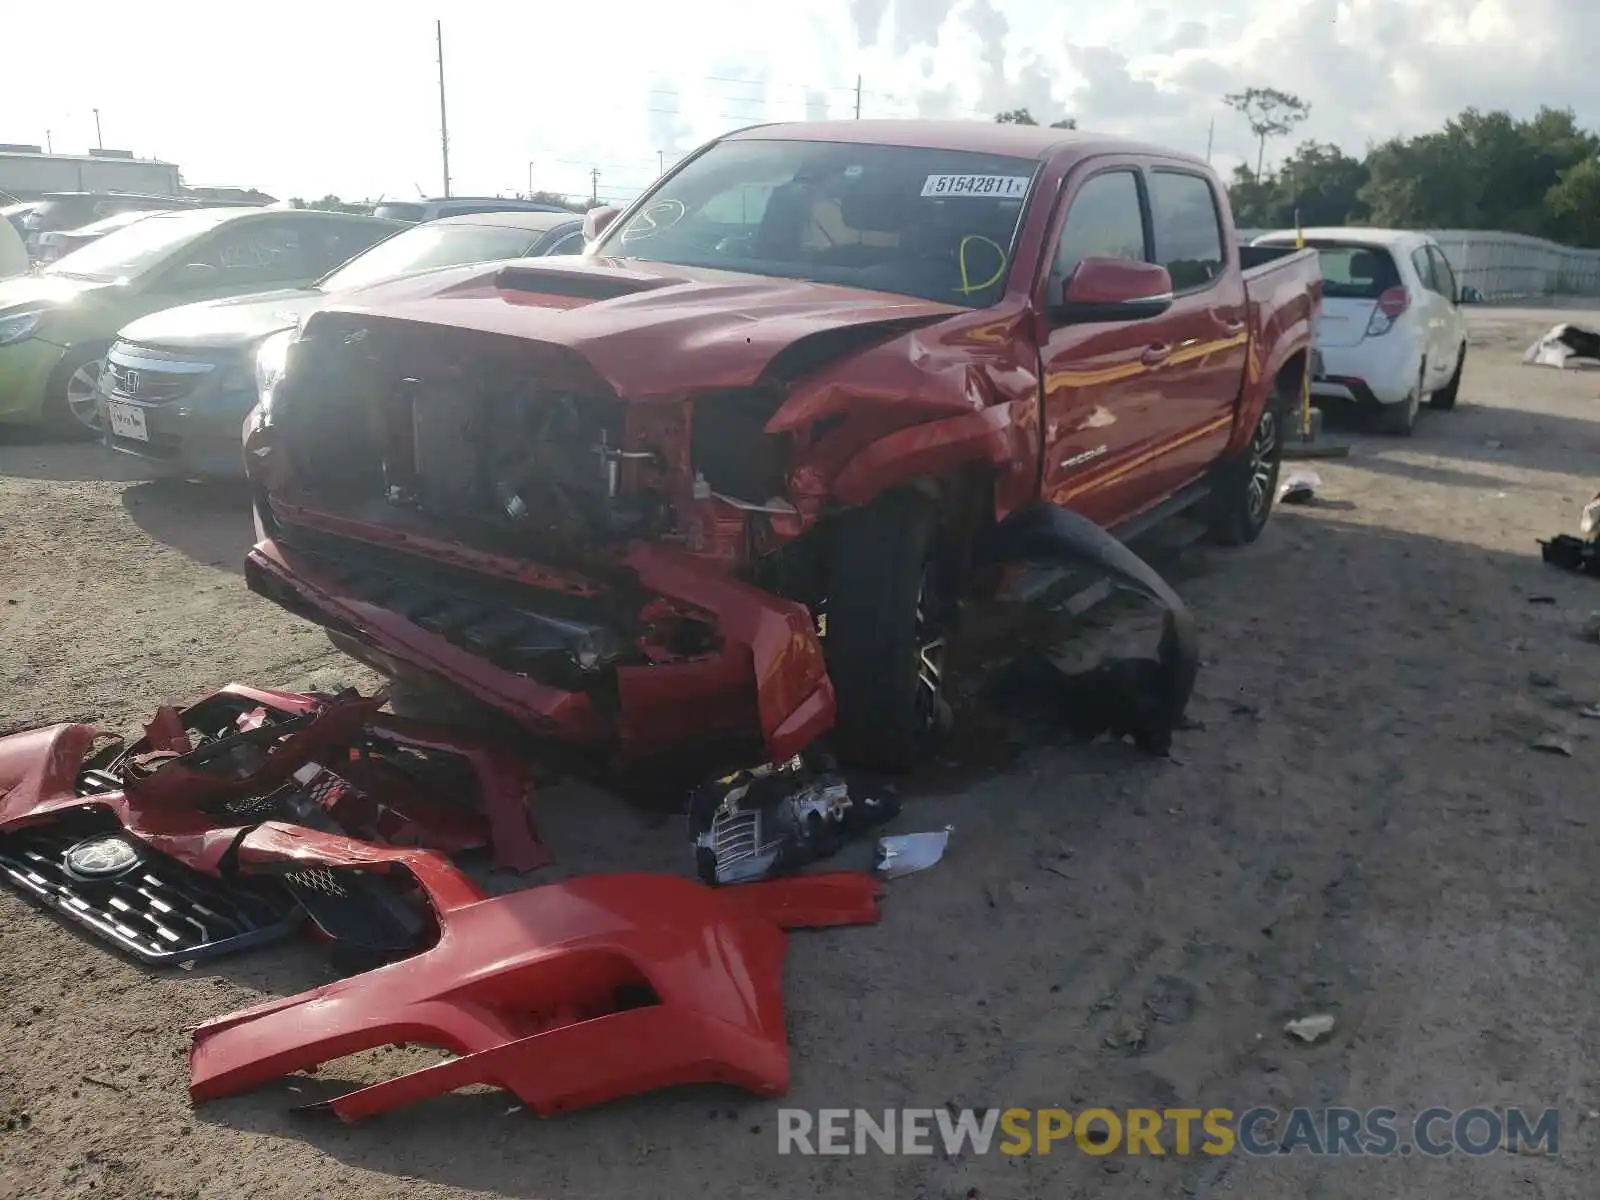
(1284, 287)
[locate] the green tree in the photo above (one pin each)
(1574, 204)
(1270, 113)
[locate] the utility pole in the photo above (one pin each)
(49, 146)
(594, 185)
(661, 162)
(100, 141)
(1210, 134)
(530, 180)
(858, 97)
(444, 124)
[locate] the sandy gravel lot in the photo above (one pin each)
(1360, 828)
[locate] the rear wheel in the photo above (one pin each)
(1242, 501)
(1445, 398)
(1398, 420)
(888, 612)
(71, 405)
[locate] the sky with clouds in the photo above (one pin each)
(303, 98)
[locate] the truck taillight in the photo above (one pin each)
(1390, 305)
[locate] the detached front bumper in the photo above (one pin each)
(763, 678)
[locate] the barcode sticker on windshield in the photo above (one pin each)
(1006, 187)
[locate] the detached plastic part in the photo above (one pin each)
(906, 853)
(1141, 698)
(566, 995)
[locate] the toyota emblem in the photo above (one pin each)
(102, 857)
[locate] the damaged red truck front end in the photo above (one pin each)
(631, 499)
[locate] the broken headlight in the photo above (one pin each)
(776, 818)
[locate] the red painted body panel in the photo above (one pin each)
(525, 989)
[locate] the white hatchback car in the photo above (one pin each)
(1392, 333)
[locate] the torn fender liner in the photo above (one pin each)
(1141, 698)
(567, 995)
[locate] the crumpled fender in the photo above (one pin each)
(567, 995)
(1047, 532)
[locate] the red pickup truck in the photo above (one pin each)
(728, 475)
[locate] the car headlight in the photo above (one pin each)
(272, 356)
(14, 329)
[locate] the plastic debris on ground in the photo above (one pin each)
(776, 818)
(1571, 554)
(1310, 1029)
(1561, 345)
(905, 853)
(1300, 488)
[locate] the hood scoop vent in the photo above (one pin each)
(580, 285)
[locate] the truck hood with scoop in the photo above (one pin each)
(226, 324)
(647, 329)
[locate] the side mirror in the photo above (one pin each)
(1113, 289)
(597, 220)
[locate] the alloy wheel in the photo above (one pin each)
(1263, 459)
(82, 402)
(930, 640)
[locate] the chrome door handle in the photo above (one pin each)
(1155, 355)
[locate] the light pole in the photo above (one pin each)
(99, 141)
(530, 180)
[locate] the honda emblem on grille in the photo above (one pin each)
(102, 857)
(130, 382)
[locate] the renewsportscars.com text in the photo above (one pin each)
(1433, 1132)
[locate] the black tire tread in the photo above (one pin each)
(879, 558)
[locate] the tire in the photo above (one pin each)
(1398, 420)
(1248, 486)
(886, 614)
(69, 401)
(1445, 398)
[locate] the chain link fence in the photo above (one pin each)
(1510, 266)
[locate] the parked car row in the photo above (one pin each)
(177, 385)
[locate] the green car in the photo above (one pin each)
(56, 325)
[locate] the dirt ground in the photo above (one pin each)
(1360, 828)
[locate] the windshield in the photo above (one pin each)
(129, 252)
(1350, 270)
(400, 212)
(425, 247)
(936, 224)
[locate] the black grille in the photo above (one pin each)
(152, 387)
(158, 910)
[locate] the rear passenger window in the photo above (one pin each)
(1443, 275)
(1105, 221)
(1188, 228)
(1424, 269)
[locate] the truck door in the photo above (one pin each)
(1204, 331)
(1099, 413)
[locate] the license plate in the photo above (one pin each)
(127, 420)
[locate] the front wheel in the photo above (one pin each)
(1244, 495)
(888, 612)
(71, 402)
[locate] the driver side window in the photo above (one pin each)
(1106, 220)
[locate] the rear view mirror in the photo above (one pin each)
(1113, 289)
(597, 220)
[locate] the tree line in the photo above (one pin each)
(1481, 170)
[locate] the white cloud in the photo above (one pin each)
(308, 98)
